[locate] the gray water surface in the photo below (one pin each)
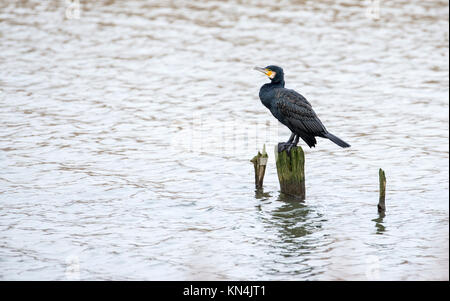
(126, 130)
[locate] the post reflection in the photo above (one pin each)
(260, 194)
(291, 220)
(379, 223)
(289, 223)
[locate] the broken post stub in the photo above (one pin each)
(291, 171)
(381, 201)
(260, 162)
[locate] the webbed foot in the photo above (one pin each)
(282, 146)
(290, 146)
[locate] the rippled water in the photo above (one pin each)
(126, 129)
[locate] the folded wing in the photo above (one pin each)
(298, 112)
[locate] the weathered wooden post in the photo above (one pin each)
(291, 171)
(259, 162)
(381, 201)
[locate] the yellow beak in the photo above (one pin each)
(263, 70)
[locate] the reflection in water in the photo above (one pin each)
(289, 224)
(260, 194)
(292, 221)
(379, 223)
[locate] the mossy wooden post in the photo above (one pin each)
(291, 171)
(381, 201)
(259, 162)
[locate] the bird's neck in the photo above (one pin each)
(278, 84)
(266, 93)
(272, 85)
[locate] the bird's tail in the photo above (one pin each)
(336, 140)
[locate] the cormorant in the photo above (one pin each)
(292, 110)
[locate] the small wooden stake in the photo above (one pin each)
(259, 162)
(291, 171)
(381, 202)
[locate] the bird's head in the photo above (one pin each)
(275, 73)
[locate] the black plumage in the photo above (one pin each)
(293, 110)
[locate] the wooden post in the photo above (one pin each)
(291, 171)
(259, 162)
(381, 202)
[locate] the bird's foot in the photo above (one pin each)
(282, 146)
(285, 146)
(290, 146)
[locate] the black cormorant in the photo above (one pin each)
(292, 110)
